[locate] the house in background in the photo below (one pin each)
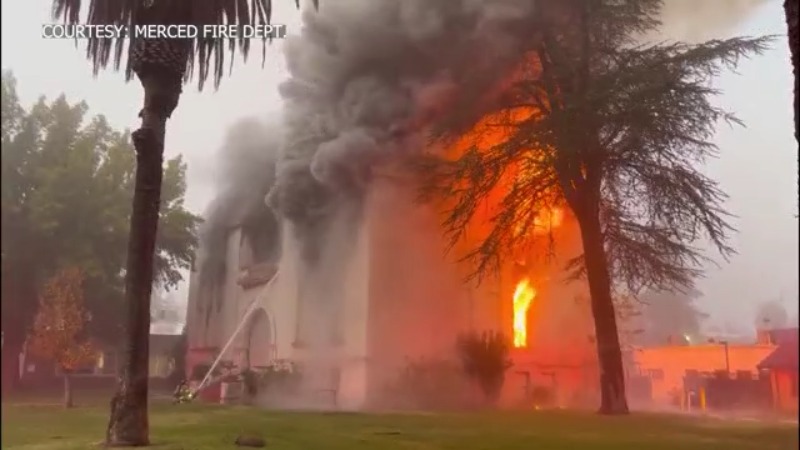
(108, 362)
(666, 366)
(33, 369)
(782, 365)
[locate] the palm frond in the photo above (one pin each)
(209, 54)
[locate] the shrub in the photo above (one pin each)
(250, 380)
(484, 358)
(430, 384)
(542, 396)
(280, 374)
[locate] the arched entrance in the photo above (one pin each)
(260, 344)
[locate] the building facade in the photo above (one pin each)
(399, 296)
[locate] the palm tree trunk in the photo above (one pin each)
(612, 375)
(128, 425)
(792, 9)
(160, 65)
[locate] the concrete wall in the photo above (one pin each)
(278, 300)
(208, 336)
(194, 326)
(417, 301)
(355, 313)
(232, 306)
(204, 322)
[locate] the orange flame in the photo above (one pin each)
(523, 297)
(550, 220)
(544, 222)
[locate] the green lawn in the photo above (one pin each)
(199, 427)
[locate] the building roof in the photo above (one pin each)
(784, 357)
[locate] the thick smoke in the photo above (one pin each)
(246, 172)
(365, 74)
(365, 77)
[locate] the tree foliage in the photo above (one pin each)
(613, 130)
(162, 65)
(485, 360)
(58, 332)
(66, 189)
(208, 55)
(638, 124)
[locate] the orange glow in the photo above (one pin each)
(544, 222)
(523, 297)
(553, 219)
(542, 215)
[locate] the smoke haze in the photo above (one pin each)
(245, 173)
(363, 74)
(366, 74)
(695, 21)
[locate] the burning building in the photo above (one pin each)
(401, 297)
(384, 289)
(363, 280)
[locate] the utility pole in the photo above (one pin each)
(727, 357)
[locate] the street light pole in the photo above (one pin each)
(727, 357)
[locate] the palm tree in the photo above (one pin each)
(792, 8)
(162, 66)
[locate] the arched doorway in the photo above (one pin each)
(260, 344)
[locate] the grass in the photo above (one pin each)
(206, 427)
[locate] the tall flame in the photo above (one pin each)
(523, 297)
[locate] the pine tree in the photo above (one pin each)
(613, 130)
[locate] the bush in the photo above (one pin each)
(250, 382)
(543, 396)
(280, 377)
(280, 374)
(430, 384)
(484, 358)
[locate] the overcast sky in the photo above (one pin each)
(758, 166)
